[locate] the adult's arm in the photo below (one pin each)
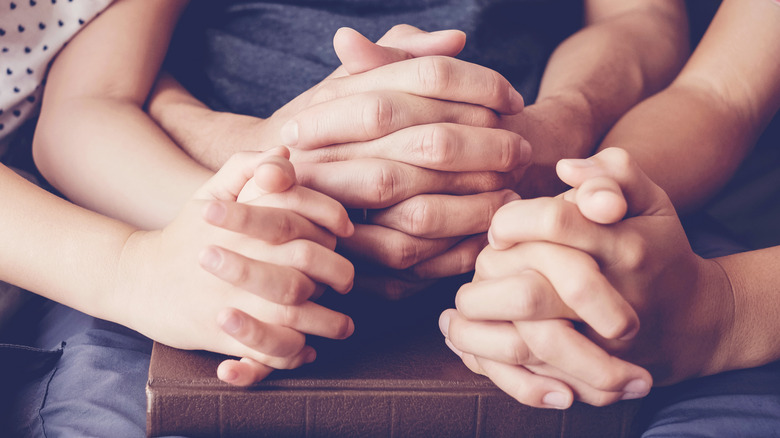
(626, 51)
(714, 110)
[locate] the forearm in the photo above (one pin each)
(93, 141)
(194, 126)
(56, 249)
(123, 166)
(684, 117)
(753, 339)
(609, 66)
(691, 137)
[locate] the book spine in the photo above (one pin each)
(345, 413)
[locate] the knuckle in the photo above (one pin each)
(434, 74)
(485, 263)
(607, 380)
(418, 217)
(517, 353)
(482, 117)
(284, 229)
(433, 146)
(290, 316)
(555, 219)
(303, 255)
(508, 150)
(383, 185)
(526, 303)
(298, 291)
(377, 115)
(633, 252)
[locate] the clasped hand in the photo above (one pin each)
(553, 313)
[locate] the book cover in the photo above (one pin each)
(400, 383)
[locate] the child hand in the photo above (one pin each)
(240, 287)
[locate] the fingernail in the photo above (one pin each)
(510, 196)
(576, 162)
(232, 324)
(230, 376)
(351, 328)
(490, 238)
(444, 323)
(215, 213)
(636, 388)
(210, 259)
(630, 335)
(453, 348)
(557, 400)
(517, 101)
(290, 133)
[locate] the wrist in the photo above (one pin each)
(131, 278)
(557, 127)
(718, 306)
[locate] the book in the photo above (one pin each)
(402, 382)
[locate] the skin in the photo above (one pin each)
(618, 234)
(439, 119)
(194, 272)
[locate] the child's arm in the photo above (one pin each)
(93, 140)
(155, 282)
(691, 137)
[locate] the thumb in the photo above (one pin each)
(242, 167)
(610, 185)
(358, 54)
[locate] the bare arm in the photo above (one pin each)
(124, 165)
(627, 51)
(714, 111)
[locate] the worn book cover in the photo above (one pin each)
(398, 382)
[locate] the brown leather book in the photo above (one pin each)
(402, 382)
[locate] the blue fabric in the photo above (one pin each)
(96, 387)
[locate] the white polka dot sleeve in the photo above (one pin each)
(31, 34)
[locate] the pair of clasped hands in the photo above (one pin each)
(559, 291)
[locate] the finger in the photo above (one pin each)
(372, 115)
(495, 340)
(526, 387)
(437, 77)
(642, 195)
(242, 373)
(377, 183)
(557, 343)
(525, 296)
(278, 284)
(438, 216)
(269, 224)
(600, 200)
(453, 147)
(316, 207)
(275, 175)
(227, 183)
(358, 54)
(392, 248)
(320, 264)
(577, 279)
(457, 260)
(308, 317)
(269, 339)
(546, 219)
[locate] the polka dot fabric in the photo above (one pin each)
(31, 34)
